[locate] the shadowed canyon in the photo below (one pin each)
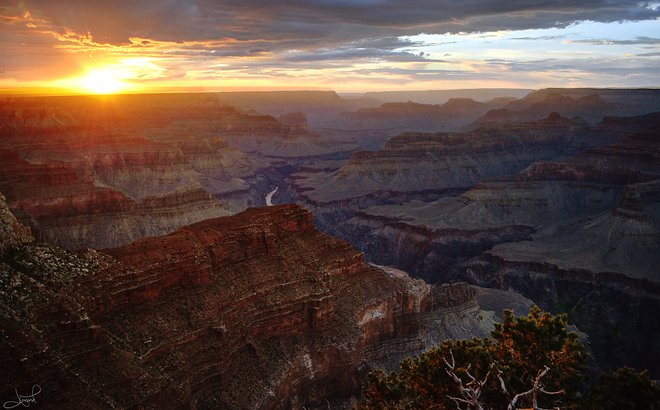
(268, 249)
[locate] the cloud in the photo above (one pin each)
(328, 28)
(315, 23)
(220, 38)
(606, 42)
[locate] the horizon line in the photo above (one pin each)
(62, 92)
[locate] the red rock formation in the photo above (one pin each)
(258, 310)
(101, 171)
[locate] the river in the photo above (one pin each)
(269, 197)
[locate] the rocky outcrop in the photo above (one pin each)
(12, 233)
(257, 310)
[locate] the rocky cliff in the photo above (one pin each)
(417, 162)
(104, 171)
(579, 235)
(102, 194)
(257, 310)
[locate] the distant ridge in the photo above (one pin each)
(442, 96)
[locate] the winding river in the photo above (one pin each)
(269, 197)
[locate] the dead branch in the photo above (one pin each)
(470, 391)
(536, 388)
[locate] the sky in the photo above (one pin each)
(342, 45)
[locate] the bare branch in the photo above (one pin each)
(467, 371)
(536, 387)
(457, 399)
(502, 385)
(471, 391)
(512, 405)
(542, 390)
(453, 362)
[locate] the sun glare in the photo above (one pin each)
(102, 82)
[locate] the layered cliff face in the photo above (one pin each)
(257, 310)
(102, 193)
(579, 235)
(415, 162)
(105, 171)
(603, 268)
(432, 237)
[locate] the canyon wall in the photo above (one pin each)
(579, 235)
(103, 171)
(256, 310)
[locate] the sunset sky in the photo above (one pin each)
(344, 45)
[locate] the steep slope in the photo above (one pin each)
(257, 310)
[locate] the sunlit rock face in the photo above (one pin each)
(256, 310)
(104, 171)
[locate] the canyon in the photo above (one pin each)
(140, 265)
(578, 234)
(104, 171)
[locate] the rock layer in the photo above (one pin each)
(413, 162)
(579, 235)
(257, 310)
(104, 171)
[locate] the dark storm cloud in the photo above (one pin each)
(317, 23)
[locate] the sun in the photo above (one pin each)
(102, 81)
(127, 75)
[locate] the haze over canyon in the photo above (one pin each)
(149, 259)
